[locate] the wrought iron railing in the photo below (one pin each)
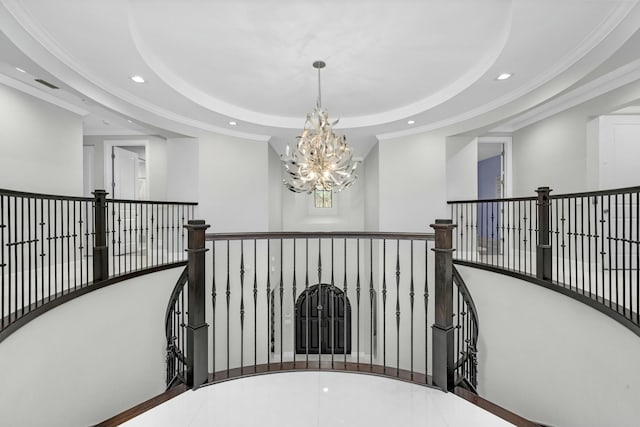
(466, 335)
(587, 244)
(174, 326)
(52, 246)
(367, 302)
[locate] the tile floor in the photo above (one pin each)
(316, 399)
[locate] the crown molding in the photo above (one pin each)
(595, 88)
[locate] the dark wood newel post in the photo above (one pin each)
(543, 249)
(442, 349)
(100, 249)
(197, 328)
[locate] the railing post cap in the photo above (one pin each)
(99, 192)
(443, 224)
(196, 224)
(543, 189)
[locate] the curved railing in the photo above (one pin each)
(584, 245)
(362, 302)
(174, 324)
(466, 337)
(55, 248)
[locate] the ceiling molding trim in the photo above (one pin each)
(30, 37)
(595, 88)
(216, 105)
(42, 95)
(612, 23)
(111, 132)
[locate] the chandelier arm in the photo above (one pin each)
(322, 160)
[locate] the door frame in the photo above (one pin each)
(507, 167)
(109, 143)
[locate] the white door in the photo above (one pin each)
(123, 185)
(124, 164)
(619, 151)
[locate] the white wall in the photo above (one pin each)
(88, 359)
(372, 189)
(412, 182)
(234, 185)
(276, 188)
(553, 152)
(462, 168)
(156, 159)
(550, 358)
(182, 169)
(40, 146)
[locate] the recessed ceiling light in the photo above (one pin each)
(20, 69)
(504, 76)
(232, 123)
(410, 122)
(137, 79)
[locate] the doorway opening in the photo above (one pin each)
(494, 183)
(323, 323)
(126, 170)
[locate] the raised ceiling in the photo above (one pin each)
(210, 62)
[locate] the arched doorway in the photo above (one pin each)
(326, 321)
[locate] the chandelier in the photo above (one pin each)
(321, 160)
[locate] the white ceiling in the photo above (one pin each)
(209, 62)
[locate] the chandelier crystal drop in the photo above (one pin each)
(321, 160)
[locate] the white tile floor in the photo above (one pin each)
(316, 399)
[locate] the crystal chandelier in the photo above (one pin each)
(321, 160)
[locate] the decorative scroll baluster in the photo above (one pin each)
(530, 240)
(268, 304)
(306, 302)
(255, 303)
(582, 241)
(228, 293)
(241, 307)
(293, 300)
(28, 304)
(320, 307)
(411, 296)
(562, 221)
(398, 307)
(55, 248)
(609, 250)
(614, 267)
(344, 304)
(213, 307)
(281, 300)
(575, 242)
(332, 305)
(384, 304)
(3, 263)
(426, 311)
(371, 295)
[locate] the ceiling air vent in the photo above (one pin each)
(47, 84)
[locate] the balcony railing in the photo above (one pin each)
(586, 245)
(381, 303)
(52, 247)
